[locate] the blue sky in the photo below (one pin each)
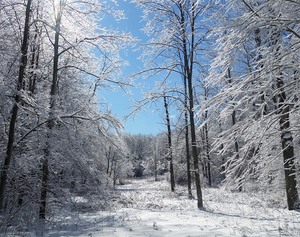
(149, 120)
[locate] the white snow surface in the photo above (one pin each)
(147, 208)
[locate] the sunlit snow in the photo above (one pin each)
(148, 208)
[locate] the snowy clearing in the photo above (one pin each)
(148, 208)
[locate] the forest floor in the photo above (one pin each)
(147, 208)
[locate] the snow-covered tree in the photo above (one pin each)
(60, 124)
(257, 70)
(177, 33)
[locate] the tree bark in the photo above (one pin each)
(188, 65)
(170, 157)
(208, 169)
(35, 53)
(286, 136)
(108, 160)
(51, 123)
(194, 147)
(14, 111)
(287, 149)
(187, 147)
(192, 122)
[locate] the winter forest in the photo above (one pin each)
(227, 163)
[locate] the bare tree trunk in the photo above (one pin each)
(108, 160)
(187, 147)
(201, 146)
(51, 123)
(114, 173)
(208, 171)
(206, 142)
(14, 111)
(194, 149)
(188, 65)
(45, 173)
(34, 63)
(287, 149)
(192, 122)
(170, 157)
(223, 166)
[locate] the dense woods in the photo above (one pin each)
(230, 70)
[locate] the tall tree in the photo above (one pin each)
(58, 10)
(75, 55)
(55, 108)
(177, 33)
(187, 146)
(17, 98)
(169, 155)
(188, 55)
(263, 90)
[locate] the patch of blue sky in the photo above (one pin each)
(150, 119)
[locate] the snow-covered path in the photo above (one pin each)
(148, 208)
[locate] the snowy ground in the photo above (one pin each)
(148, 208)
